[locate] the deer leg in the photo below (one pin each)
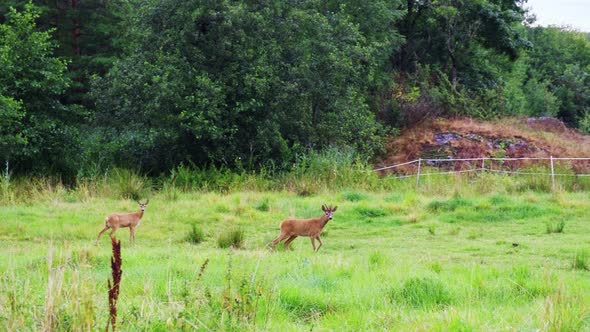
(132, 235)
(280, 238)
(100, 233)
(320, 240)
(113, 230)
(289, 240)
(312, 242)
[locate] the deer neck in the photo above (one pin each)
(324, 220)
(139, 214)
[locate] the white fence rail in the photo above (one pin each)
(482, 161)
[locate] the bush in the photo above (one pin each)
(232, 238)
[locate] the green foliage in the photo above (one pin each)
(541, 101)
(234, 87)
(276, 86)
(37, 131)
(584, 123)
(561, 58)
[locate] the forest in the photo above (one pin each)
(152, 85)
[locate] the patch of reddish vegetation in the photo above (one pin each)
(467, 138)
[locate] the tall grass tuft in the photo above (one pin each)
(233, 238)
(581, 261)
(53, 293)
(5, 185)
(422, 292)
(116, 264)
(196, 235)
(129, 184)
(555, 227)
(263, 205)
(562, 312)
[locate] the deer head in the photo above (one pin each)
(143, 205)
(329, 211)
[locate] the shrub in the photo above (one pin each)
(196, 235)
(232, 238)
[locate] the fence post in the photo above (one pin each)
(483, 167)
(552, 174)
(418, 175)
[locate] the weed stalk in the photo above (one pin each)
(114, 286)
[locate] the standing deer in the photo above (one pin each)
(120, 220)
(292, 228)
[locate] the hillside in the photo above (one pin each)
(468, 138)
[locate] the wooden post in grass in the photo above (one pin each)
(418, 174)
(483, 166)
(552, 174)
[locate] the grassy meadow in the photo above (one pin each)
(458, 254)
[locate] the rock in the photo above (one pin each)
(444, 138)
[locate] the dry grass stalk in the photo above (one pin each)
(202, 270)
(114, 286)
(54, 286)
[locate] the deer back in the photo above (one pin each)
(124, 219)
(303, 227)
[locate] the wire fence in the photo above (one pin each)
(579, 166)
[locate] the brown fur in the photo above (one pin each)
(312, 227)
(121, 220)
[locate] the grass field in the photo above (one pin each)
(391, 260)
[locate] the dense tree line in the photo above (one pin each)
(86, 85)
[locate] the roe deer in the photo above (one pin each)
(120, 220)
(292, 228)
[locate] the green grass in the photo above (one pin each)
(381, 265)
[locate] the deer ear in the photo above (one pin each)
(146, 202)
(334, 209)
(323, 208)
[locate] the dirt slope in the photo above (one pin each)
(468, 138)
